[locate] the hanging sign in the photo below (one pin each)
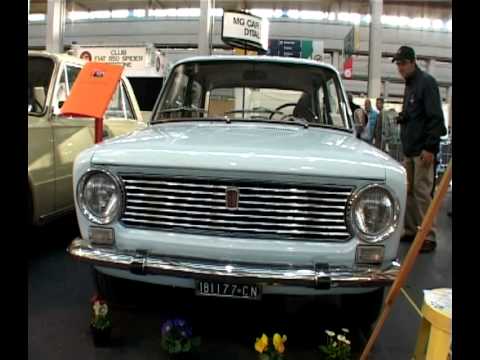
(129, 57)
(347, 68)
(305, 49)
(245, 31)
(351, 42)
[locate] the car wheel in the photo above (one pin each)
(363, 309)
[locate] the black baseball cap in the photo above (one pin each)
(404, 53)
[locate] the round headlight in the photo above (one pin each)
(374, 213)
(99, 196)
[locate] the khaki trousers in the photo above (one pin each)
(421, 180)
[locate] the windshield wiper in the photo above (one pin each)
(295, 120)
(182, 108)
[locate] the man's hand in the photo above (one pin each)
(427, 158)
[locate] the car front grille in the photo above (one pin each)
(265, 210)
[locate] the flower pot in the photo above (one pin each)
(101, 337)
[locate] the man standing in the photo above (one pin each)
(382, 129)
(372, 120)
(421, 126)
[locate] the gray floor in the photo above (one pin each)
(59, 290)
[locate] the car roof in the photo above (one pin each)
(261, 58)
(63, 58)
(57, 57)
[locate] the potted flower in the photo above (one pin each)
(337, 347)
(177, 339)
(101, 323)
(271, 350)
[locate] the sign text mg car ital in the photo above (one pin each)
(245, 30)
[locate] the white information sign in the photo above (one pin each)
(245, 30)
(134, 58)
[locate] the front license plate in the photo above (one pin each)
(212, 288)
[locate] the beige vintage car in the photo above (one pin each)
(54, 141)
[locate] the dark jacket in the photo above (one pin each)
(423, 123)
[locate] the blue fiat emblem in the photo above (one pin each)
(232, 195)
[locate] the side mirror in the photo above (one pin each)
(39, 96)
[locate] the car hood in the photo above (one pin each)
(255, 147)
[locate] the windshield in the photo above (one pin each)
(253, 91)
(40, 71)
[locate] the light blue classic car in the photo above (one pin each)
(250, 180)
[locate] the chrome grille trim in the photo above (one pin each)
(179, 191)
(223, 187)
(291, 211)
(229, 228)
(266, 210)
(222, 201)
(214, 222)
(156, 210)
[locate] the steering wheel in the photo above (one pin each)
(277, 110)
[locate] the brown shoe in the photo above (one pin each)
(428, 246)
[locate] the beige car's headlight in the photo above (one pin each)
(374, 213)
(99, 196)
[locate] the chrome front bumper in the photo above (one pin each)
(318, 276)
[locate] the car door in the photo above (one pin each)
(41, 170)
(72, 135)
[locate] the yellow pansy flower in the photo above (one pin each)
(261, 344)
(278, 342)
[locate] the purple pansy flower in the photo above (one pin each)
(166, 327)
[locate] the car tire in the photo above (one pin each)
(363, 309)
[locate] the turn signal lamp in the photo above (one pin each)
(101, 236)
(368, 254)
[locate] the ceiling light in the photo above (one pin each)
(36, 17)
(103, 14)
(78, 15)
(139, 13)
(120, 14)
(294, 14)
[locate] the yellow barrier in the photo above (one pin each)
(435, 332)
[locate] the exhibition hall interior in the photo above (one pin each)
(229, 180)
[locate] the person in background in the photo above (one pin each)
(359, 118)
(382, 127)
(353, 106)
(421, 127)
(372, 117)
(86, 56)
